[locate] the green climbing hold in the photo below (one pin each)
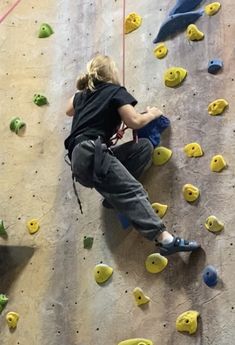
(18, 126)
(88, 242)
(39, 100)
(2, 228)
(45, 31)
(3, 302)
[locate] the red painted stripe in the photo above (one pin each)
(2, 17)
(123, 44)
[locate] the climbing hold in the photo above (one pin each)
(18, 126)
(210, 276)
(161, 155)
(214, 66)
(45, 31)
(190, 192)
(212, 8)
(140, 297)
(160, 209)
(137, 341)
(102, 273)
(155, 263)
(132, 22)
(88, 242)
(12, 319)
(40, 100)
(193, 33)
(183, 6)
(187, 322)
(33, 226)
(175, 23)
(217, 107)
(160, 51)
(3, 302)
(153, 130)
(193, 150)
(174, 76)
(213, 224)
(217, 163)
(2, 228)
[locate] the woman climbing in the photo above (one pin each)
(98, 109)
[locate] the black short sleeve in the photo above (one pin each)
(76, 98)
(122, 97)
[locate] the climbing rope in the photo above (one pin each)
(2, 17)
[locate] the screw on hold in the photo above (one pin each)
(3, 302)
(45, 31)
(12, 319)
(88, 242)
(18, 126)
(214, 66)
(210, 276)
(2, 229)
(33, 226)
(40, 100)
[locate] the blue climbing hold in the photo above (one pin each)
(153, 130)
(124, 221)
(215, 65)
(183, 6)
(177, 22)
(210, 276)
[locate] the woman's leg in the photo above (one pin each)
(136, 157)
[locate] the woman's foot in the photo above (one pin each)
(178, 245)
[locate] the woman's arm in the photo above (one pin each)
(135, 120)
(70, 109)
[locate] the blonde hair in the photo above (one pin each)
(100, 68)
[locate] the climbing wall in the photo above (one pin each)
(48, 276)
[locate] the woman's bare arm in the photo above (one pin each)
(135, 120)
(70, 109)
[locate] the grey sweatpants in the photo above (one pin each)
(120, 187)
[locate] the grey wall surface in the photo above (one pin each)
(49, 276)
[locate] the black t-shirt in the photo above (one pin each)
(96, 112)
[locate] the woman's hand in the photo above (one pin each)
(154, 112)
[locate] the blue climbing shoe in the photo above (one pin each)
(106, 204)
(178, 245)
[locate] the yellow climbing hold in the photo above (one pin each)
(102, 273)
(174, 76)
(160, 209)
(213, 224)
(155, 263)
(161, 155)
(193, 33)
(140, 297)
(132, 22)
(212, 8)
(217, 163)
(217, 107)
(187, 322)
(12, 319)
(137, 341)
(33, 226)
(193, 150)
(190, 192)
(160, 51)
